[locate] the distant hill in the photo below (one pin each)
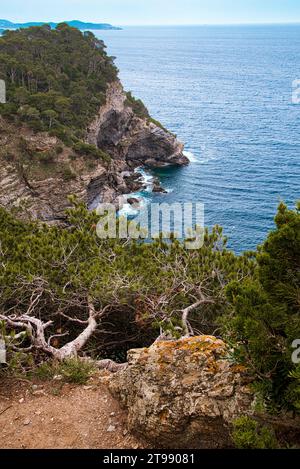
(4, 24)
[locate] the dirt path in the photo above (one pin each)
(56, 415)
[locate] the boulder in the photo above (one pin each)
(133, 201)
(157, 188)
(183, 394)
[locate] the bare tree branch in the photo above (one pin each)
(188, 331)
(35, 329)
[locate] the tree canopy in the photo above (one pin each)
(56, 79)
(265, 320)
(141, 287)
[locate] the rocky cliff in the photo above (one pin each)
(127, 137)
(38, 172)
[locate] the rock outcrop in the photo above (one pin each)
(183, 394)
(38, 172)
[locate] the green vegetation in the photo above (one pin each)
(90, 150)
(67, 173)
(159, 124)
(248, 434)
(139, 288)
(265, 319)
(76, 371)
(71, 370)
(141, 111)
(60, 274)
(137, 106)
(70, 279)
(56, 79)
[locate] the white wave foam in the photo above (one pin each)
(128, 211)
(147, 178)
(191, 156)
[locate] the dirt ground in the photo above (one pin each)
(63, 416)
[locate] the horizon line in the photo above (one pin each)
(251, 23)
(277, 23)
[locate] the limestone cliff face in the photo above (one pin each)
(38, 172)
(137, 141)
(183, 394)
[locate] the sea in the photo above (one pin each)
(230, 95)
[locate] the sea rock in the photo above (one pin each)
(157, 188)
(183, 394)
(134, 182)
(133, 201)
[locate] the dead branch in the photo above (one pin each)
(35, 330)
(188, 331)
(110, 365)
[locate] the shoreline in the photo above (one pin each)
(149, 182)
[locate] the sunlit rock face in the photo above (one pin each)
(125, 136)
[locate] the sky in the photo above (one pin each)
(153, 12)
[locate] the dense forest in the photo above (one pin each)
(56, 79)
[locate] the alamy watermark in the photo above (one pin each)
(296, 353)
(2, 352)
(167, 221)
(2, 92)
(296, 92)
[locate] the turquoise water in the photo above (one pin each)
(227, 93)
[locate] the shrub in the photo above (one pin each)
(76, 371)
(265, 319)
(64, 134)
(158, 124)
(46, 156)
(125, 278)
(45, 371)
(90, 150)
(68, 174)
(248, 434)
(72, 370)
(59, 149)
(137, 106)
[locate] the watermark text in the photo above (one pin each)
(2, 92)
(167, 221)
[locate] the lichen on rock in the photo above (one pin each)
(183, 394)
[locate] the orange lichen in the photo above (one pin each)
(206, 344)
(198, 349)
(239, 369)
(164, 415)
